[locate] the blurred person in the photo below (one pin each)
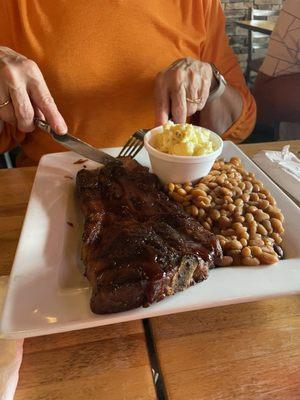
(101, 70)
(277, 86)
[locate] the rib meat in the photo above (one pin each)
(138, 245)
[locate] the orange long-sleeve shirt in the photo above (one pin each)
(100, 58)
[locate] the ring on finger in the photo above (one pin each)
(194, 101)
(5, 103)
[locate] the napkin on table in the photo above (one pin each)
(283, 167)
(11, 352)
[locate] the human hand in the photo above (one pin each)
(23, 88)
(182, 89)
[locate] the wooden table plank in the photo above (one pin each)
(15, 190)
(105, 363)
(265, 27)
(243, 351)
(109, 362)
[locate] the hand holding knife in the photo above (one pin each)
(75, 144)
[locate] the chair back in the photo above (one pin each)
(257, 14)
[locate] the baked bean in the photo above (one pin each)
(272, 200)
(239, 218)
(231, 207)
(267, 224)
(256, 242)
(276, 237)
(245, 197)
(244, 242)
(201, 213)
(244, 235)
(224, 221)
(252, 209)
(182, 192)
(254, 197)
(209, 220)
(242, 185)
(268, 249)
(194, 211)
(177, 197)
(235, 161)
(256, 250)
(214, 214)
(246, 252)
(225, 261)
(262, 230)
(248, 186)
(261, 216)
(249, 217)
(228, 185)
(239, 202)
(202, 186)
(276, 213)
(263, 204)
(171, 187)
(226, 192)
(212, 185)
(198, 192)
(252, 229)
(206, 225)
(267, 258)
(262, 195)
(228, 232)
(233, 245)
(250, 261)
(228, 199)
(238, 211)
(256, 187)
(277, 225)
(238, 191)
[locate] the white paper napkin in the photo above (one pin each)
(283, 167)
(11, 352)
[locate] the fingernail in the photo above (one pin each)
(62, 128)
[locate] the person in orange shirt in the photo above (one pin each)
(103, 61)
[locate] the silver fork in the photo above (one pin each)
(134, 144)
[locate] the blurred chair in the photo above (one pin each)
(255, 43)
(7, 159)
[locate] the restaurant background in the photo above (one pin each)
(236, 10)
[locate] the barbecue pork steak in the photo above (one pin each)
(138, 245)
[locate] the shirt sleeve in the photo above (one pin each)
(218, 51)
(283, 56)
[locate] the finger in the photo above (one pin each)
(178, 100)
(7, 113)
(162, 102)
(38, 113)
(23, 109)
(203, 92)
(42, 99)
(192, 92)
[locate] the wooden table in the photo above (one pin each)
(242, 352)
(265, 27)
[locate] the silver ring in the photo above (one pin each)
(5, 103)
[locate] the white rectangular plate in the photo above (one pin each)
(47, 292)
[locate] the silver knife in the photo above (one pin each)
(75, 144)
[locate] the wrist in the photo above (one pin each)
(214, 83)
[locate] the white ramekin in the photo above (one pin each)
(180, 169)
